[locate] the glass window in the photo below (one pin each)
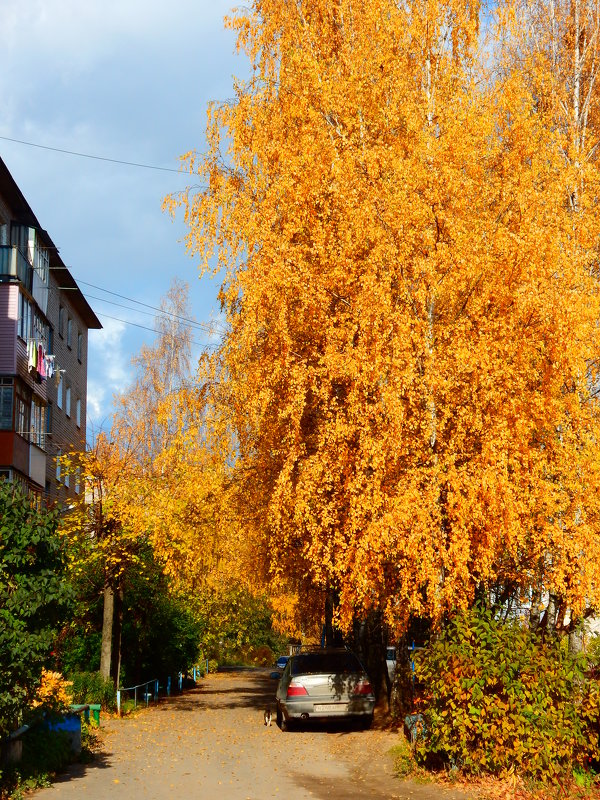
(69, 331)
(78, 412)
(38, 423)
(25, 316)
(325, 663)
(58, 455)
(61, 321)
(68, 400)
(22, 416)
(59, 391)
(79, 346)
(6, 404)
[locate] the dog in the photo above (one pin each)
(268, 716)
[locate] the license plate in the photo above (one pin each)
(323, 707)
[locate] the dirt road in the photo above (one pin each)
(212, 743)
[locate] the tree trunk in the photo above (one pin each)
(402, 701)
(117, 630)
(333, 637)
(107, 630)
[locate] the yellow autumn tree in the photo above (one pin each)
(412, 307)
(128, 502)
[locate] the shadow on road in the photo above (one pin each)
(256, 696)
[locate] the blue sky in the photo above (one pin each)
(127, 80)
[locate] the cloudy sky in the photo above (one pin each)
(127, 80)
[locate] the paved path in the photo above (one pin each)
(212, 743)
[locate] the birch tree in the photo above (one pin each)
(411, 303)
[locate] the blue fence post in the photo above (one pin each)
(169, 686)
(119, 702)
(156, 690)
(180, 681)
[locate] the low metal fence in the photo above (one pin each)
(143, 692)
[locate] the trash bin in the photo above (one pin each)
(95, 709)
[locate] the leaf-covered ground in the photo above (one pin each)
(212, 743)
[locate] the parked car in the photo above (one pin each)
(282, 661)
(321, 684)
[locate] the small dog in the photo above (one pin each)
(268, 716)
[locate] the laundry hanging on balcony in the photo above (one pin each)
(37, 360)
(41, 365)
(49, 366)
(32, 354)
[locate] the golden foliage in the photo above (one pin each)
(407, 223)
(54, 692)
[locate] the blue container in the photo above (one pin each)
(71, 724)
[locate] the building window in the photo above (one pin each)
(69, 332)
(79, 347)
(68, 400)
(66, 477)
(59, 391)
(77, 479)
(6, 404)
(58, 455)
(61, 322)
(48, 419)
(38, 423)
(78, 412)
(25, 317)
(22, 416)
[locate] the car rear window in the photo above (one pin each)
(326, 663)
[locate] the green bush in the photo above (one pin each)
(91, 687)
(33, 598)
(498, 697)
(44, 753)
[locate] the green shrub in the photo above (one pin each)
(44, 753)
(33, 599)
(91, 687)
(498, 697)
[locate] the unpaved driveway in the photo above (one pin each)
(212, 743)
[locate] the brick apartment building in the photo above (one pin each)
(44, 323)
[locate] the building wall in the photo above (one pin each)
(66, 435)
(9, 310)
(32, 267)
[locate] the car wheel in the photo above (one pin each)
(279, 718)
(366, 722)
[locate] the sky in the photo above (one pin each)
(127, 80)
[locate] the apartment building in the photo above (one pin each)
(44, 324)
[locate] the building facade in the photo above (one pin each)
(44, 324)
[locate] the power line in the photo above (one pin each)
(146, 328)
(95, 158)
(204, 325)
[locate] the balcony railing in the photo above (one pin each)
(14, 264)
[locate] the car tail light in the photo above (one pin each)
(296, 689)
(363, 687)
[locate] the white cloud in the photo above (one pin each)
(109, 370)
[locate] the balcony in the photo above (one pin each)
(14, 264)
